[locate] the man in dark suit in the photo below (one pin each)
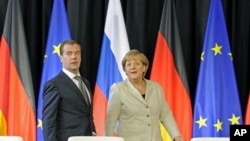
(67, 102)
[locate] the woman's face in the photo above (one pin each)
(134, 68)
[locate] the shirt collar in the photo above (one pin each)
(70, 74)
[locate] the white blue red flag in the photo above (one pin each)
(114, 46)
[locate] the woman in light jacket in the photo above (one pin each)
(138, 105)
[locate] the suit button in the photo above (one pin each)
(149, 124)
(147, 115)
(147, 106)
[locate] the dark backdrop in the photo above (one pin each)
(142, 17)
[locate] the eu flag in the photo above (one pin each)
(58, 32)
(217, 103)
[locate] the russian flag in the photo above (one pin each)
(114, 47)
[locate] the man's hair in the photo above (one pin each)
(67, 42)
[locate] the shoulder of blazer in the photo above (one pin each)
(151, 82)
(121, 83)
(60, 77)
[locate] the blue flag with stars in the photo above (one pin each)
(58, 32)
(217, 103)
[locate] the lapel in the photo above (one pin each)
(135, 93)
(69, 83)
(149, 89)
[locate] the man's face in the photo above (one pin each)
(71, 57)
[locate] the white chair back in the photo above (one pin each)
(94, 138)
(210, 139)
(11, 138)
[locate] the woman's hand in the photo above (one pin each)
(178, 138)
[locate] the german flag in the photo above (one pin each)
(17, 104)
(169, 70)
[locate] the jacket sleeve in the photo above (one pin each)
(113, 110)
(167, 118)
(51, 100)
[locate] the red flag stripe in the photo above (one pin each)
(247, 117)
(100, 107)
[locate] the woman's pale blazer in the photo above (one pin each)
(138, 118)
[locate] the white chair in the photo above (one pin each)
(210, 139)
(11, 138)
(94, 138)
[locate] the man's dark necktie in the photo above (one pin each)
(82, 89)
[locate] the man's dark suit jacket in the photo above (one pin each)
(65, 112)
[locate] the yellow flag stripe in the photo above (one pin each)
(3, 124)
(164, 134)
